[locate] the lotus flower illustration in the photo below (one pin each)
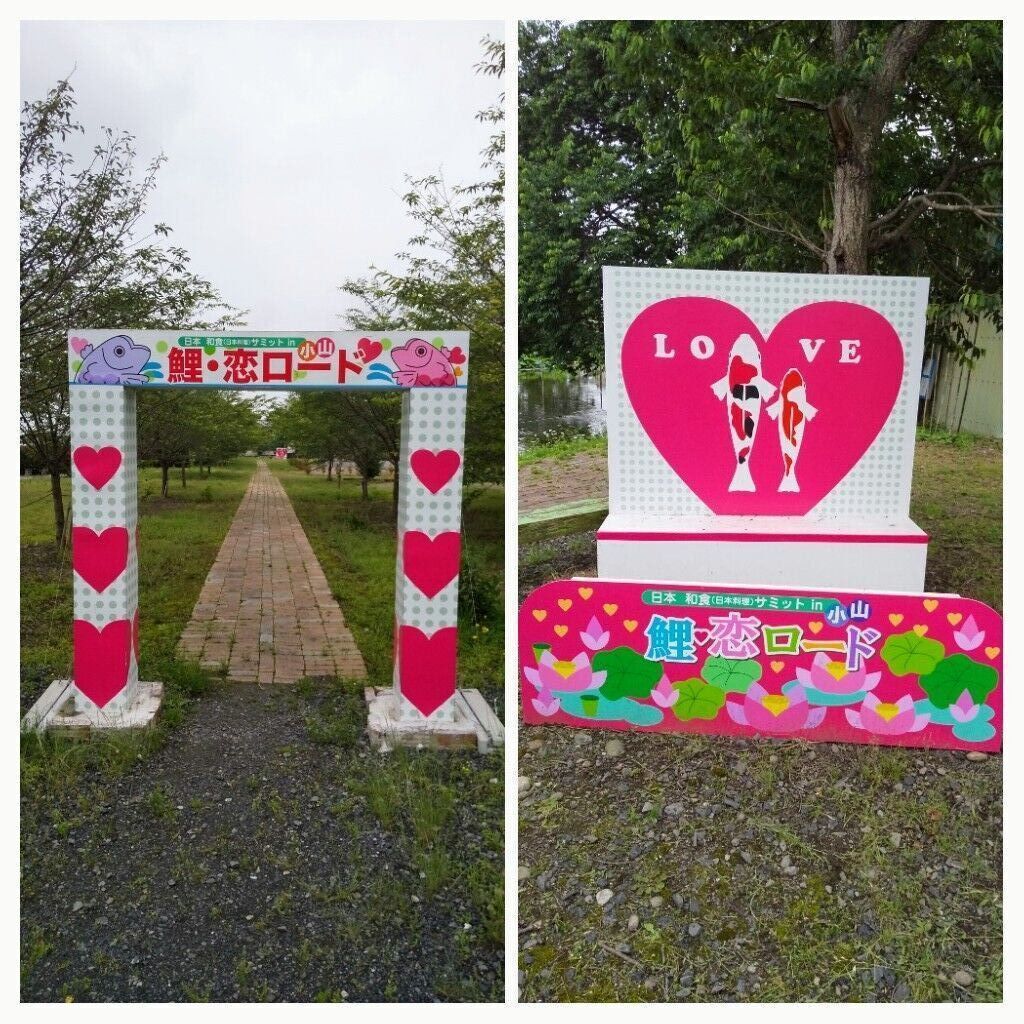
(828, 676)
(775, 712)
(887, 719)
(664, 694)
(566, 676)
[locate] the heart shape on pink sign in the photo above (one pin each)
(101, 659)
(434, 469)
(426, 666)
(98, 467)
(431, 563)
(99, 558)
(758, 426)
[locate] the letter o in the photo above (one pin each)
(702, 347)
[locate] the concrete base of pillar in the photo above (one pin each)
(58, 711)
(472, 724)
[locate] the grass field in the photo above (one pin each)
(768, 870)
(329, 873)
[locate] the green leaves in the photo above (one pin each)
(908, 654)
(731, 676)
(957, 673)
(697, 699)
(629, 674)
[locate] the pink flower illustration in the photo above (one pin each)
(828, 676)
(775, 712)
(567, 676)
(968, 637)
(664, 694)
(594, 636)
(887, 719)
(964, 709)
(546, 703)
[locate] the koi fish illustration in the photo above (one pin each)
(743, 389)
(117, 360)
(792, 410)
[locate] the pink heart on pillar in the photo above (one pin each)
(431, 563)
(101, 659)
(98, 467)
(99, 558)
(426, 667)
(756, 427)
(434, 469)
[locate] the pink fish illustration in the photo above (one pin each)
(792, 410)
(418, 362)
(743, 389)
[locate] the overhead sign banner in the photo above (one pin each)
(236, 359)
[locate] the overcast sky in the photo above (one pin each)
(287, 143)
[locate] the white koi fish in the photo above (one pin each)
(792, 410)
(743, 389)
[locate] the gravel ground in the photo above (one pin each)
(670, 868)
(242, 862)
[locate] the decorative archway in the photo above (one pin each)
(107, 367)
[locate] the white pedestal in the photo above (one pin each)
(465, 721)
(847, 555)
(62, 709)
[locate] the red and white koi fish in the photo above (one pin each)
(792, 410)
(743, 389)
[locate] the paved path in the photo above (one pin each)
(266, 611)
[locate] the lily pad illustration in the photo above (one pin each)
(698, 699)
(581, 705)
(977, 730)
(731, 676)
(957, 673)
(629, 674)
(908, 654)
(819, 698)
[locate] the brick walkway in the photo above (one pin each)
(266, 612)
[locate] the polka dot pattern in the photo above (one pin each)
(434, 419)
(103, 417)
(641, 482)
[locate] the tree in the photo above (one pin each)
(453, 278)
(84, 261)
(841, 147)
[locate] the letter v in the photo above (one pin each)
(811, 347)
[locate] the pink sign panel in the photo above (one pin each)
(761, 424)
(920, 670)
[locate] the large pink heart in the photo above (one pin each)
(99, 558)
(434, 469)
(848, 358)
(426, 666)
(431, 563)
(98, 467)
(101, 659)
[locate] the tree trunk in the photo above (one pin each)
(330, 467)
(183, 474)
(847, 252)
(165, 473)
(365, 484)
(58, 505)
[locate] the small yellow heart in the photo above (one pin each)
(954, 618)
(565, 603)
(630, 624)
(610, 609)
(586, 593)
(778, 666)
(991, 653)
(930, 604)
(920, 630)
(561, 630)
(895, 618)
(815, 627)
(539, 614)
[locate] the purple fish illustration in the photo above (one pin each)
(418, 362)
(117, 360)
(792, 410)
(743, 389)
